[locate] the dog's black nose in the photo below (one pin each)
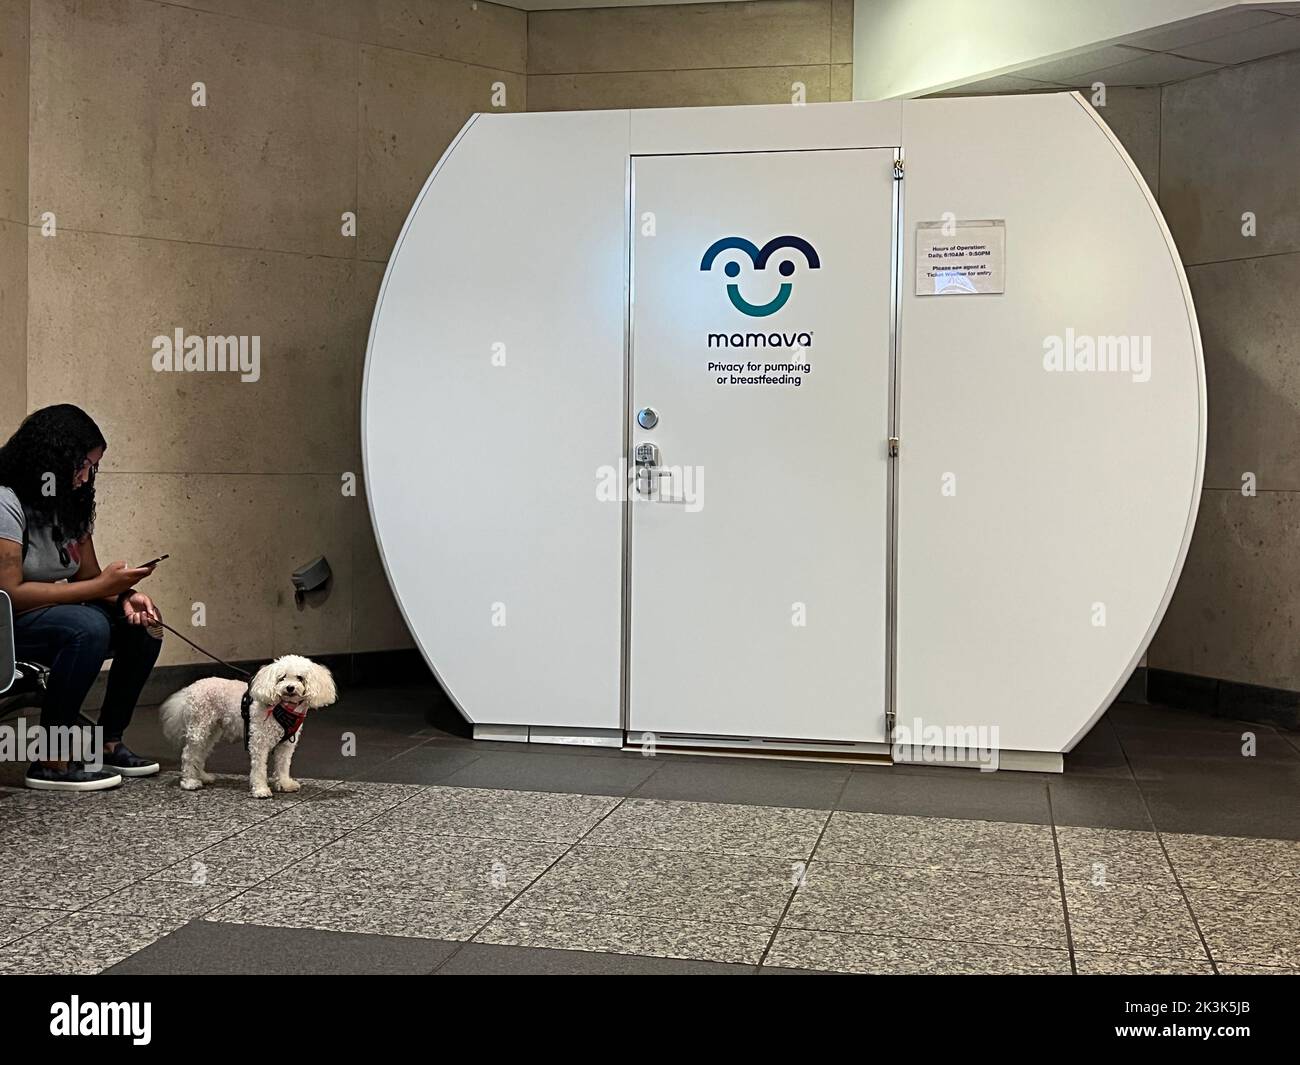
(290, 688)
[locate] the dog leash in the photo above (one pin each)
(234, 669)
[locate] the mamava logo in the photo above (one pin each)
(759, 257)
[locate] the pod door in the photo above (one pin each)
(759, 408)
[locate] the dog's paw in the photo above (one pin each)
(190, 784)
(207, 778)
(262, 793)
(286, 785)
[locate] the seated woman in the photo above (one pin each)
(69, 614)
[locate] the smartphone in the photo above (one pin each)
(152, 562)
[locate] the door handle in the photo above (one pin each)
(645, 459)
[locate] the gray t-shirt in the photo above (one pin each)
(46, 560)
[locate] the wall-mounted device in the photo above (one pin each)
(312, 577)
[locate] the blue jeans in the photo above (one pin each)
(73, 640)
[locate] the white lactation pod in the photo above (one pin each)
(844, 429)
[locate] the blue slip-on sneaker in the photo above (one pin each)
(75, 777)
(121, 759)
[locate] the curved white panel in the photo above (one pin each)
(1076, 492)
(493, 393)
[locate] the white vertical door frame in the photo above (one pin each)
(891, 510)
(888, 650)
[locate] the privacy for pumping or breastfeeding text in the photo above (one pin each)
(749, 372)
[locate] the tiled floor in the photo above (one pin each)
(426, 852)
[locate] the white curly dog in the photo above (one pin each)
(210, 710)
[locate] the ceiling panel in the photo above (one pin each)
(1283, 35)
(1171, 38)
(1155, 68)
(1005, 83)
(1173, 53)
(1070, 67)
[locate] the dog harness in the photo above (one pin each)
(288, 718)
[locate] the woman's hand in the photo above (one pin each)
(139, 609)
(118, 577)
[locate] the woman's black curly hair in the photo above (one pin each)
(53, 440)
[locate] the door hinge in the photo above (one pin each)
(891, 720)
(893, 447)
(898, 170)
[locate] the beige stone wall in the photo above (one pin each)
(13, 213)
(690, 55)
(226, 220)
(1230, 144)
